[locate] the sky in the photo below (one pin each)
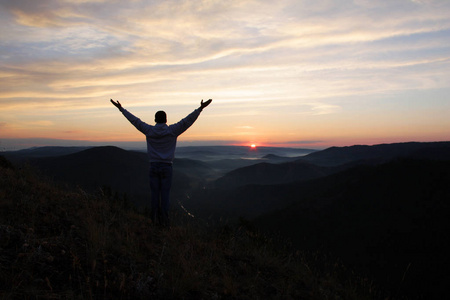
(290, 73)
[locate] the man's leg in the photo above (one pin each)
(166, 183)
(155, 189)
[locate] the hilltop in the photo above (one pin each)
(66, 243)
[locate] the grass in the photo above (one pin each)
(61, 243)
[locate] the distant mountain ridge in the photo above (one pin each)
(207, 153)
(35, 152)
(126, 171)
(381, 153)
(326, 162)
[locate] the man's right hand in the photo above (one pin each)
(116, 104)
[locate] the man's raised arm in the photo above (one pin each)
(141, 126)
(184, 124)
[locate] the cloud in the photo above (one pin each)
(255, 58)
(41, 123)
(323, 109)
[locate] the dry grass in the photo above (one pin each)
(66, 244)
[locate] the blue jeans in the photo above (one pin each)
(160, 183)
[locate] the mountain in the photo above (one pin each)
(209, 153)
(35, 152)
(383, 210)
(93, 168)
(272, 169)
(256, 189)
(120, 170)
(390, 221)
(378, 153)
(127, 171)
(273, 158)
(193, 173)
(267, 173)
(225, 165)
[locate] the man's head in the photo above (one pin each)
(160, 117)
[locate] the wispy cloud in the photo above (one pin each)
(290, 57)
(40, 123)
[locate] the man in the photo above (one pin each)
(161, 143)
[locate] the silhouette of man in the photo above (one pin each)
(161, 143)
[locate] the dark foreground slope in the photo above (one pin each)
(68, 244)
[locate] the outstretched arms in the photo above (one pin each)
(177, 128)
(202, 104)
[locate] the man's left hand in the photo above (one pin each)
(205, 104)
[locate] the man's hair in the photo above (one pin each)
(160, 117)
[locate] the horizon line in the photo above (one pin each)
(15, 144)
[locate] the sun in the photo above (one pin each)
(253, 146)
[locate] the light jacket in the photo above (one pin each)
(161, 138)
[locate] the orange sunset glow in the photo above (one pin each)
(289, 74)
